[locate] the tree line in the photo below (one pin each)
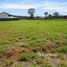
(55, 15)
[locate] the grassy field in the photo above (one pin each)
(34, 36)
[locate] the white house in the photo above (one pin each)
(5, 15)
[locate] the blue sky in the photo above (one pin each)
(19, 7)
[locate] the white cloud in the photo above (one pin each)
(45, 5)
(55, 6)
(18, 6)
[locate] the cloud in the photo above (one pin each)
(18, 6)
(44, 5)
(56, 6)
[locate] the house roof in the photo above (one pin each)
(14, 15)
(5, 13)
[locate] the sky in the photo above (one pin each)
(20, 7)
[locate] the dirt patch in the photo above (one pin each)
(15, 53)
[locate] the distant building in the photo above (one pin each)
(7, 16)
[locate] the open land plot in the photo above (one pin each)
(30, 42)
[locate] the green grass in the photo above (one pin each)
(27, 28)
(28, 56)
(62, 49)
(31, 32)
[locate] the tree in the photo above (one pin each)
(56, 14)
(49, 16)
(31, 12)
(46, 14)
